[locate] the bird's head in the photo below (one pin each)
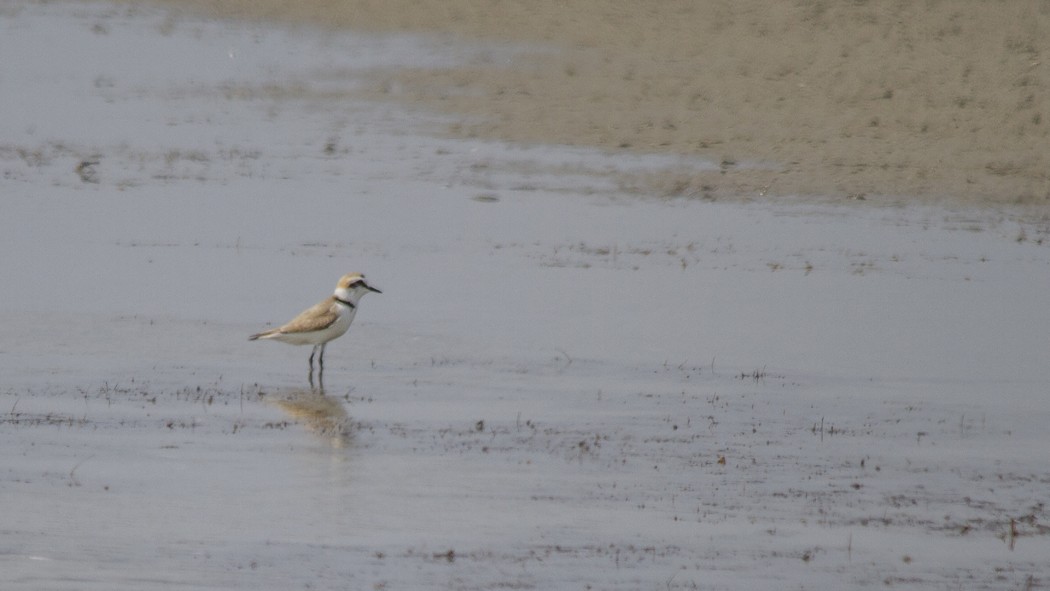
(352, 287)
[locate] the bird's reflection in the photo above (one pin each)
(323, 415)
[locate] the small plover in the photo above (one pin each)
(326, 321)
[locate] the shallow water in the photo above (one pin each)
(561, 386)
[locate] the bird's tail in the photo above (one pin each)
(263, 335)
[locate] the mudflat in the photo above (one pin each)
(562, 385)
(928, 101)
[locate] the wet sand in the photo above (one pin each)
(562, 386)
(914, 102)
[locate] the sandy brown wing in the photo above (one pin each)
(317, 317)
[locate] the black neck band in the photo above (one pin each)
(347, 302)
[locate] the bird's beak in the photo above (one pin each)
(370, 288)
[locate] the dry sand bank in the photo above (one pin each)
(936, 100)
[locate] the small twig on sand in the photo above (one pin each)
(73, 481)
(1013, 532)
(568, 360)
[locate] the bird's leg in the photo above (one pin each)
(312, 353)
(320, 360)
(310, 376)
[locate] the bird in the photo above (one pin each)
(323, 322)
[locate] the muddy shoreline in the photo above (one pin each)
(562, 386)
(941, 102)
